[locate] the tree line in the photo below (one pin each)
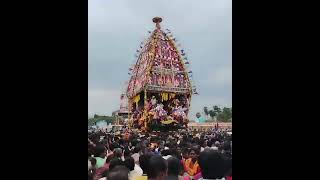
(220, 114)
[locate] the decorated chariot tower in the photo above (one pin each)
(160, 88)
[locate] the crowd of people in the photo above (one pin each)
(178, 155)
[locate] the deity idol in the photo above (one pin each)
(168, 80)
(161, 112)
(176, 82)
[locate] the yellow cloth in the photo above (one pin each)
(169, 121)
(172, 95)
(136, 99)
(164, 97)
(140, 178)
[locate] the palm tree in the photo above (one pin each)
(217, 111)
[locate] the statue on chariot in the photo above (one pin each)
(159, 90)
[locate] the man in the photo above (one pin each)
(157, 168)
(212, 165)
(136, 154)
(118, 153)
(100, 156)
(144, 164)
(129, 163)
(174, 169)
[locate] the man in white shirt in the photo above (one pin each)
(135, 170)
(136, 155)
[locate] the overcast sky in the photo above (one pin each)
(117, 27)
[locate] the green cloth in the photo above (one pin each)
(100, 162)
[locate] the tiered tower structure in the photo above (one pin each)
(159, 90)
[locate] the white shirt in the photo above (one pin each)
(166, 157)
(136, 156)
(89, 165)
(138, 169)
(136, 172)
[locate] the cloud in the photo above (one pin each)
(221, 78)
(103, 101)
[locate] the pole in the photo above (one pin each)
(145, 107)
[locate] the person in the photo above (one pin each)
(129, 163)
(166, 153)
(157, 168)
(100, 171)
(228, 169)
(197, 176)
(118, 153)
(136, 154)
(185, 154)
(115, 162)
(144, 164)
(100, 156)
(212, 165)
(209, 144)
(176, 144)
(92, 168)
(174, 169)
(191, 165)
(118, 173)
(203, 144)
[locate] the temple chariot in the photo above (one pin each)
(160, 88)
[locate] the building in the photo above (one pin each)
(209, 125)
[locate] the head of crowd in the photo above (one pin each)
(177, 155)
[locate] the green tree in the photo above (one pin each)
(212, 114)
(217, 111)
(225, 115)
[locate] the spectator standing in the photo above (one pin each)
(191, 165)
(212, 165)
(157, 168)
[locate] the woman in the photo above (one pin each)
(191, 165)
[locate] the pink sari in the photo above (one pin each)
(197, 176)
